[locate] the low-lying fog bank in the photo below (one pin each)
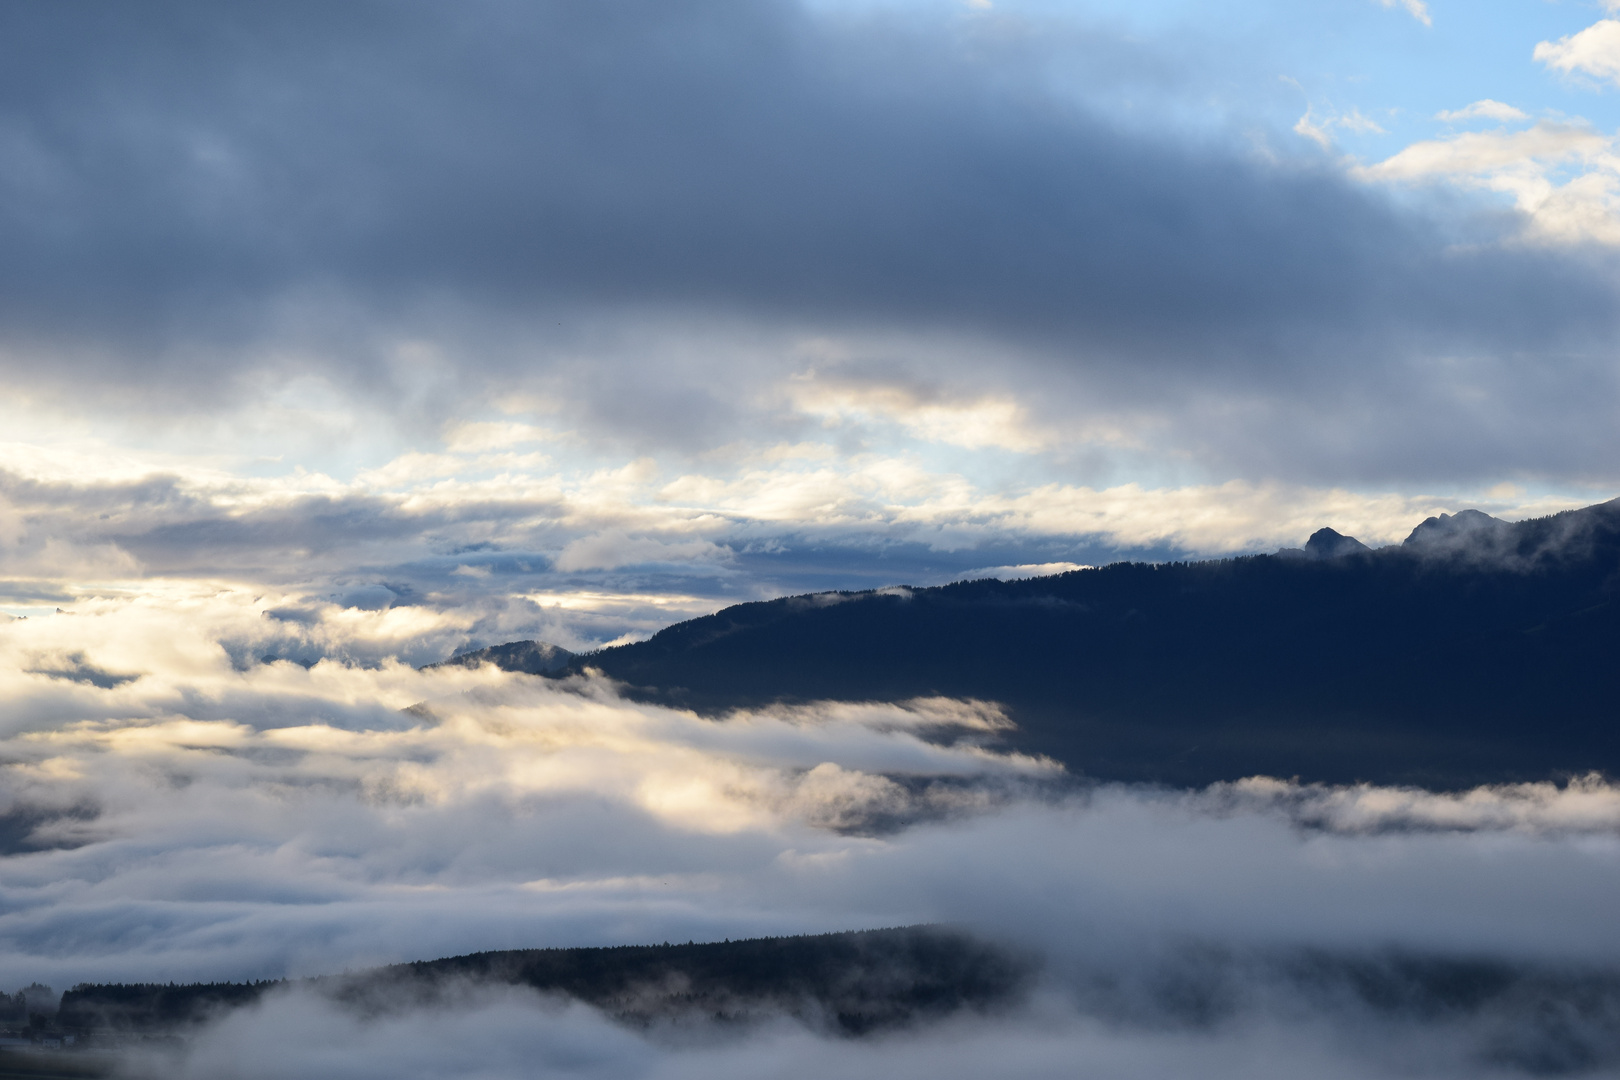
(1196, 1012)
(903, 995)
(170, 814)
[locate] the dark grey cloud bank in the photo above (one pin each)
(197, 195)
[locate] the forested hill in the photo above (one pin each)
(854, 982)
(1475, 651)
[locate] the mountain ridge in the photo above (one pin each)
(852, 982)
(1476, 651)
(527, 657)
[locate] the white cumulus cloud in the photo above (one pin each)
(1484, 109)
(1563, 177)
(1593, 51)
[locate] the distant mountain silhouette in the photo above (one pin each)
(1326, 544)
(528, 657)
(1476, 651)
(1468, 532)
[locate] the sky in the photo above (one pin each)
(572, 323)
(337, 338)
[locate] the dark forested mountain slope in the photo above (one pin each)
(530, 657)
(1476, 651)
(855, 981)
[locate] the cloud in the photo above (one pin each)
(925, 412)
(1415, 8)
(1028, 570)
(384, 249)
(277, 818)
(588, 557)
(511, 1034)
(1562, 177)
(1593, 51)
(475, 437)
(1313, 129)
(1484, 109)
(1487, 152)
(1319, 128)
(209, 820)
(1583, 804)
(615, 549)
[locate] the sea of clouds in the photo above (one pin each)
(172, 809)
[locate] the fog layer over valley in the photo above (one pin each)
(173, 812)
